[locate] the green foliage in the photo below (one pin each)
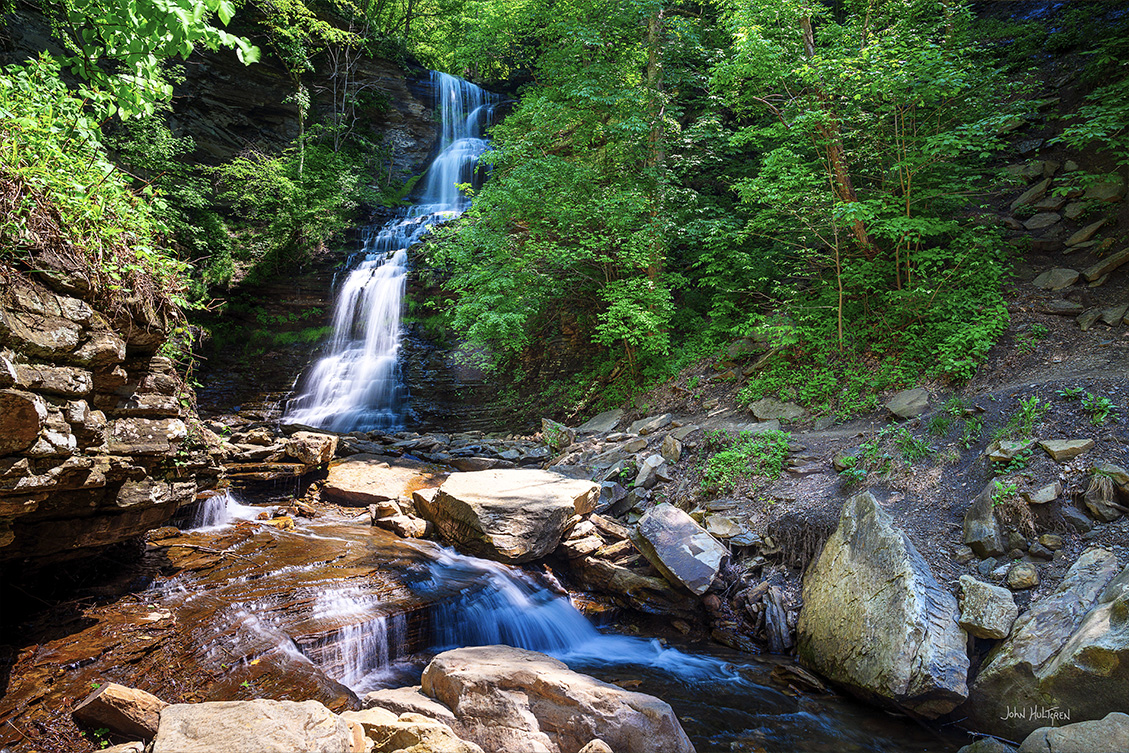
(869, 142)
(566, 233)
(744, 456)
(970, 433)
(1100, 123)
(287, 209)
(911, 448)
(1100, 408)
(1070, 393)
(1029, 340)
(1016, 464)
(1003, 492)
(120, 47)
(66, 206)
(882, 454)
(1022, 423)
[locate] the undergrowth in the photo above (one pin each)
(745, 455)
(67, 210)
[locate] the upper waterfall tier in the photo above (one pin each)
(357, 384)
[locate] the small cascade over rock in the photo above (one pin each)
(359, 653)
(357, 385)
(218, 510)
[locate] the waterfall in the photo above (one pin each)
(481, 603)
(498, 604)
(218, 510)
(367, 642)
(357, 385)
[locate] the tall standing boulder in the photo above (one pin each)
(877, 622)
(684, 552)
(981, 529)
(1069, 650)
(510, 515)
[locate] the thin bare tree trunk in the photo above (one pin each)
(830, 134)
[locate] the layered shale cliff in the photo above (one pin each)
(97, 442)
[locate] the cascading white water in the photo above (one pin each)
(506, 606)
(219, 510)
(357, 384)
(361, 650)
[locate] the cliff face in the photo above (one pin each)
(228, 107)
(97, 444)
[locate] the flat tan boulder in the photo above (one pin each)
(258, 726)
(363, 480)
(509, 699)
(511, 515)
(390, 732)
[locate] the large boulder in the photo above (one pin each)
(1108, 735)
(601, 424)
(679, 548)
(1070, 650)
(510, 515)
(876, 621)
(509, 699)
(362, 480)
(909, 403)
(258, 726)
(408, 731)
(769, 409)
(310, 448)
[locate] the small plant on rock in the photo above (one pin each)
(1016, 464)
(1003, 492)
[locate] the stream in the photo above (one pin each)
(343, 609)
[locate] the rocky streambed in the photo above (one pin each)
(342, 591)
(339, 612)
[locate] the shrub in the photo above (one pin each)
(743, 456)
(66, 207)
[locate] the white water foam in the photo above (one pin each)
(219, 510)
(357, 385)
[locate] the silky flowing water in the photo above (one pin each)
(336, 609)
(357, 384)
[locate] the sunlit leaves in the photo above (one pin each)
(118, 46)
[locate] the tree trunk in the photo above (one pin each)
(829, 132)
(656, 156)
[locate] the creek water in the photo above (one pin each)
(334, 609)
(357, 384)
